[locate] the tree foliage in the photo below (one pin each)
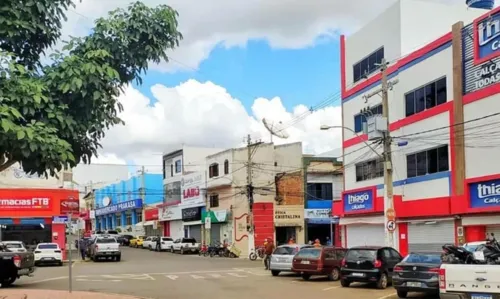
(54, 116)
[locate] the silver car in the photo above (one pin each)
(282, 258)
(14, 246)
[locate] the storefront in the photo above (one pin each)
(170, 218)
(127, 214)
(151, 227)
(320, 225)
(430, 234)
(214, 222)
(289, 223)
(27, 214)
(191, 221)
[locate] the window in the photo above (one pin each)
(118, 221)
(164, 170)
(226, 167)
(178, 166)
(367, 65)
(340, 254)
(359, 119)
(361, 254)
(213, 170)
(427, 162)
(426, 97)
(128, 219)
(48, 246)
(320, 191)
(214, 201)
(139, 216)
(313, 253)
(171, 170)
(370, 169)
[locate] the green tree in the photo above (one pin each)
(54, 116)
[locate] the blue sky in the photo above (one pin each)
(303, 76)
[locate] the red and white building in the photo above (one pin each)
(449, 81)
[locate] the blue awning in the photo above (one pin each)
(6, 221)
(33, 221)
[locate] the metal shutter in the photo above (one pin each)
(215, 234)
(493, 229)
(195, 232)
(176, 229)
(365, 234)
(430, 237)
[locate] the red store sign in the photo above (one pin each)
(70, 205)
(24, 204)
(151, 214)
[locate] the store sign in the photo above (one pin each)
(191, 214)
(192, 186)
(151, 214)
(317, 213)
(289, 215)
(120, 207)
(173, 193)
(215, 216)
(59, 219)
(481, 51)
(70, 205)
(485, 194)
(361, 201)
(25, 204)
(481, 4)
(169, 213)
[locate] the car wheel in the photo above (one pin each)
(344, 283)
(8, 281)
(402, 294)
(335, 275)
(118, 258)
(182, 250)
(60, 264)
(382, 281)
(306, 276)
(275, 273)
(171, 249)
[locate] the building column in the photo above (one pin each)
(113, 221)
(124, 218)
(134, 217)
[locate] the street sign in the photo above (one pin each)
(391, 214)
(391, 225)
(60, 219)
(208, 222)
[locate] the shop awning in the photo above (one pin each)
(139, 224)
(149, 223)
(480, 220)
(362, 220)
(215, 216)
(32, 221)
(6, 221)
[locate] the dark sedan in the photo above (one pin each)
(417, 272)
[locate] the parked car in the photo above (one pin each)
(125, 239)
(282, 258)
(319, 261)
(48, 253)
(105, 247)
(185, 245)
(13, 265)
(137, 241)
(417, 272)
(149, 242)
(15, 246)
(369, 264)
(165, 243)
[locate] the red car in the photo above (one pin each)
(320, 261)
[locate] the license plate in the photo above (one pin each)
(358, 274)
(193, 250)
(481, 296)
(47, 258)
(414, 284)
(305, 262)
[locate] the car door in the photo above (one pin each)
(177, 244)
(389, 259)
(396, 257)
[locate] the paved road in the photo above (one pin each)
(166, 275)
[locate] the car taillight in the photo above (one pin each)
(38, 251)
(320, 264)
(442, 278)
(17, 261)
(96, 247)
(398, 269)
(435, 270)
(377, 264)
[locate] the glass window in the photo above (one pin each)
(356, 71)
(427, 97)
(395, 254)
(166, 239)
(226, 167)
(214, 201)
(421, 163)
(178, 166)
(105, 240)
(387, 254)
(361, 254)
(443, 158)
(426, 162)
(285, 250)
(423, 258)
(189, 240)
(372, 61)
(430, 95)
(441, 96)
(432, 161)
(367, 65)
(309, 253)
(340, 254)
(47, 246)
(370, 169)
(365, 71)
(411, 166)
(419, 100)
(410, 103)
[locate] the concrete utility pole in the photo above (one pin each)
(250, 187)
(143, 184)
(389, 215)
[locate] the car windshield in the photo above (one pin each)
(189, 240)
(309, 253)
(423, 258)
(47, 246)
(106, 240)
(112, 232)
(166, 239)
(285, 250)
(361, 255)
(471, 248)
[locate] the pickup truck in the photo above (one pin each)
(105, 247)
(471, 281)
(185, 245)
(13, 265)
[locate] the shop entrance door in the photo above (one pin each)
(430, 236)
(215, 234)
(284, 233)
(27, 233)
(318, 231)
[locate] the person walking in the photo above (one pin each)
(328, 241)
(268, 251)
(82, 245)
(317, 243)
(158, 243)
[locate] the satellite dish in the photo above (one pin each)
(275, 129)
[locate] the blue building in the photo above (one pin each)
(119, 206)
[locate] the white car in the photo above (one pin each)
(166, 243)
(14, 246)
(149, 243)
(48, 253)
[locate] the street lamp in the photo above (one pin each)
(326, 127)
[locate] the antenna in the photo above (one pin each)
(275, 130)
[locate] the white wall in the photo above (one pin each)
(219, 158)
(168, 173)
(15, 177)
(194, 157)
(176, 229)
(482, 147)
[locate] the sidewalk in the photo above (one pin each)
(50, 294)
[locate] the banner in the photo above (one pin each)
(25, 204)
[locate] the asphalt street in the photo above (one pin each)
(165, 275)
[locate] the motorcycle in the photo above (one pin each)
(257, 253)
(212, 250)
(203, 250)
(453, 254)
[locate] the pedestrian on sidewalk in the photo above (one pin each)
(158, 243)
(82, 245)
(268, 251)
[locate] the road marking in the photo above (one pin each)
(258, 274)
(331, 288)
(215, 275)
(197, 277)
(46, 280)
(172, 277)
(98, 280)
(387, 296)
(131, 276)
(236, 275)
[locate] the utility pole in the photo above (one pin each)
(250, 187)
(143, 184)
(389, 215)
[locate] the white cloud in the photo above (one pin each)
(205, 114)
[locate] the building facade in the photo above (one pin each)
(248, 224)
(435, 160)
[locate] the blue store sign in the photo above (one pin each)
(120, 207)
(481, 4)
(485, 194)
(361, 201)
(488, 36)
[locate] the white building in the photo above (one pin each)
(228, 202)
(15, 177)
(422, 105)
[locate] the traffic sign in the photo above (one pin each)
(391, 214)
(391, 225)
